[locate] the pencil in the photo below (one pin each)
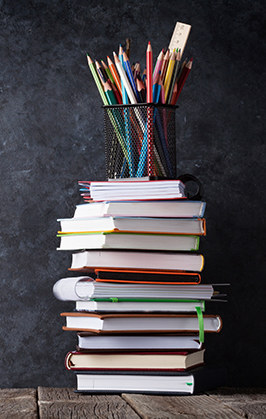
(115, 75)
(109, 93)
(124, 78)
(130, 75)
(174, 76)
(116, 92)
(169, 73)
(158, 65)
(149, 59)
(128, 44)
(124, 92)
(101, 74)
(97, 79)
(187, 71)
(156, 89)
(162, 95)
(141, 90)
(164, 65)
(107, 72)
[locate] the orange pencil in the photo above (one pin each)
(115, 75)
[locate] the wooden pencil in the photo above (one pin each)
(115, 75)
(164, 64)
(186, 73)
(149, 65)
(124, 78)
(169, 74)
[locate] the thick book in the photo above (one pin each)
(133, 190)
(176, 208)
(192, 226)
(131, 241)
(125, 259)
(116, 305)
(135, 360)
(139, 323)
(150, 277)
(194, 381)
(85, 287)
(142, 342)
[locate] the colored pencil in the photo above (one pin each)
(162, 95)
(115, 75)
(100, 72)
(124, 92)
(97, 79)
(158, 65)
(149, 65)
(116, 92)
(109, 93)
(174, 76)
(128, 44)
(186, 71)
(107, 72)
(130, 75)
(124, 78)
(164, 65)
(169, 74)
(141, 90)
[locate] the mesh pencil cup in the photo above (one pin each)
(140, 141)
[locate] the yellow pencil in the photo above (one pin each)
(169, 73)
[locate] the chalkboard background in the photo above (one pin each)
(51, 125)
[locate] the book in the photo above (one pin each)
(85, 287)
(124, 259)
(150, 277)
(192, 226)
(135, 241)
(135, 360)
(194, 381)
(136, 342)
(139, 323)
(170, 209)
(139, 306)
(134, 190)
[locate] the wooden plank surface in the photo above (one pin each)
(248, 402)
(63, 403)
(183, 407)
(18, 403)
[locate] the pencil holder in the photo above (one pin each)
(140, 141)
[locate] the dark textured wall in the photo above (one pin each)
(51, 126)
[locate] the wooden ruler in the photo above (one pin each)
(179, 37)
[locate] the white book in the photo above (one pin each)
(175, 208)
(139, 306)
(134, 241)
(135, 342)
(192, 226)
(174, 261)
(137, 323)
(190, 382)
(143, 190)
(83, 288)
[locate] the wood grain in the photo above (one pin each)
(18, 404)
(65, 404)
(184, 407)
(248, 402)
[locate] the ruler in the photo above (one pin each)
(179, 37)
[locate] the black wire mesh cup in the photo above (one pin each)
(140, 141)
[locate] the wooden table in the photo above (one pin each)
(63, 403)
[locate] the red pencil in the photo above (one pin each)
(186, 72)
(149, 65)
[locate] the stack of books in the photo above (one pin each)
(140, 301)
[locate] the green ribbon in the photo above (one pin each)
(201, 324)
